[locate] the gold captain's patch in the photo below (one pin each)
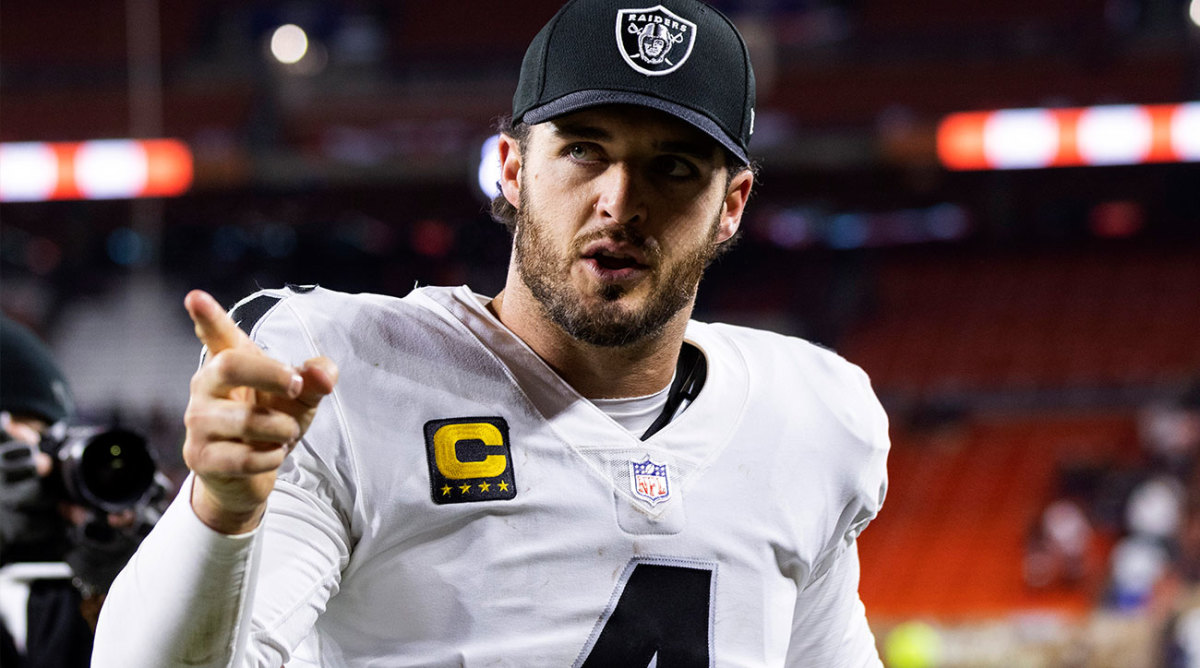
(469, 460)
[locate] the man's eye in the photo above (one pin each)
(669, 165)
(581, 152)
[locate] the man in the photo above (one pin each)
(569, 473)
(44, 621)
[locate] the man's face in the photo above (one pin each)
(621, 209)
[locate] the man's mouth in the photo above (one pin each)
(614, 261)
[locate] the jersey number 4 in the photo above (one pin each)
(660, 615)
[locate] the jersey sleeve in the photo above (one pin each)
(858, 461)
(829, 626)
(193, 597)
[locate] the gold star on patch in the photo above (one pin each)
(464, 488)
(484, 486)
(503, 486)
(446, 490)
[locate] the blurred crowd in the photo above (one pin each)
(1129, 531)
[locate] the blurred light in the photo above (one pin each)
(1085, 136)
(110, 169)
(1114, 135)
(102, 169)
(790, 228)
(1185, 129)
(289, 43)
(947, 221)
(1020, 138)
(848, 231)
(169, 167)
(913, 644)
(1116, 220)
(359, 39)
(313, 62)
(28, 172)
(127, 247)
(1194, 12)
(960, 140)
(802, 226)
(489, 167)
(432, 238)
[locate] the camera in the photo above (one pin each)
(106, 469)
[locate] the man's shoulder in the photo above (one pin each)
(298, 321)
(783, 368)
(764, 346)
(320, 307)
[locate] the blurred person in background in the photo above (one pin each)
(54, 564)
(571, 472)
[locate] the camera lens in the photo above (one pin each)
(111, 469)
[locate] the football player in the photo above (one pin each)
(571, 472)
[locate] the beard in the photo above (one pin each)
(599, 318)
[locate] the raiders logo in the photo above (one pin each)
(654, 41)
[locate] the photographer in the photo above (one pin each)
(64, 529)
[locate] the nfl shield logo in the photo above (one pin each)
(649, 480)
(654, 41)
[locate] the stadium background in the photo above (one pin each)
(1033, 332)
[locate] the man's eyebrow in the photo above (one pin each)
(581, 131)
(697, 149)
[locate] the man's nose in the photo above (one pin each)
(620, 199)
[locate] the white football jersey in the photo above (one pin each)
(456, 503)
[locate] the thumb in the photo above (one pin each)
(320, 375)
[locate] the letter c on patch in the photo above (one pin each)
(446, 440)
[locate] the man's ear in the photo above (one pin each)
(510, 169)
(735, 204)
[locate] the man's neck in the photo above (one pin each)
(596, 372)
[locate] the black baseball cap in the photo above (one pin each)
(30, 381)
(682, 57)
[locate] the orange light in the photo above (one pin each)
(102, 169)
(66, 186)
(169, 169)
(1161, 146)
(1072, 137)
(960, 140)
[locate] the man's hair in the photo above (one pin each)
(504, 212)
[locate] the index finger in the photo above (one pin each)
(215, 329)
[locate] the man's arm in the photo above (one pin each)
(194, 597)
(182, 597)
(829, 627)
(186, 597)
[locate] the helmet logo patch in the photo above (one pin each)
(654, 41)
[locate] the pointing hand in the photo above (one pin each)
(245, 413)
